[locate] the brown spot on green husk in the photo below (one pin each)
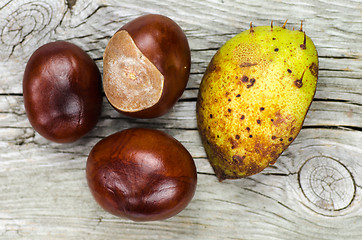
(244, 79)
(313, 68)
(238, 160)
(234, 144)
(298, 83)
(247, 64)
(252, 81)
(274, 155)
(212, 67)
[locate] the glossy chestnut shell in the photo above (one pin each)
(141, 174)
(162, 44)
(62, 92)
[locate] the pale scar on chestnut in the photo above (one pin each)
(130, 81)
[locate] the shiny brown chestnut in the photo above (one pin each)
(62, 92)
(146, 66)
(141, 174)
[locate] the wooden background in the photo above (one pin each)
(314, 191)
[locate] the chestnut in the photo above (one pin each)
(141, 174)
(146, 66)
(62, 90)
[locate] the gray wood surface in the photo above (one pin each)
(314, 191)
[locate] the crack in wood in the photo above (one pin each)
(337, 127)
(336, 101)
(205, 49)
(339, 57)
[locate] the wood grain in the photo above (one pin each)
(314, 191)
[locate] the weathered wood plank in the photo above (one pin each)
(263, 206)
(345, 113)
(314, 191)
(340, 50)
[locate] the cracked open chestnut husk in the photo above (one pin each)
(141, 174)
(146, 66)
(62, 91)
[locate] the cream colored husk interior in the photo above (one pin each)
(130, 81)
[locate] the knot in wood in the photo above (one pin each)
(327, 184)
(24, 20)
(26, 24)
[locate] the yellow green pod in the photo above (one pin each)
(254, 97)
